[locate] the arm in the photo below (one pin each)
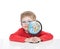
(17, 36)
(45, 36)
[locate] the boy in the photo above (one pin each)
(22, 34)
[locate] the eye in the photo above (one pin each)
(29, 21)
(23, 22)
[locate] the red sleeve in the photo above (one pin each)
(17, 36)
(46, 36)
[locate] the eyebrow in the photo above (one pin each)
(26, 21)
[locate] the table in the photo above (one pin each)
(52, 44)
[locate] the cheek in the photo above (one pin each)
(24, 25)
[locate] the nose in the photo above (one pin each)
(27, 23)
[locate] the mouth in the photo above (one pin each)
(25, 26)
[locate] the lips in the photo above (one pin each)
(26, 26)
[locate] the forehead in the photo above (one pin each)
(26, 18)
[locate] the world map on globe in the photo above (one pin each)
(34, 27)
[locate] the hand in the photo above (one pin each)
(27, 40)
(37, 38)
(33, 39)
(30, 40)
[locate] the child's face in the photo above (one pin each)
(25, 22)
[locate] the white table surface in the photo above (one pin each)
(52, 44)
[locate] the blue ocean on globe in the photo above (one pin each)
(34, 27)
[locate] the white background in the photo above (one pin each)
(47, 11)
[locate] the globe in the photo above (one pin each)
(34, 27)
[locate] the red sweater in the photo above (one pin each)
(21, 35)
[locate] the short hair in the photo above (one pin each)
(29, 14)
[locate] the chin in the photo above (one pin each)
(25, 29)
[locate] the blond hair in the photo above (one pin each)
(29, 14)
